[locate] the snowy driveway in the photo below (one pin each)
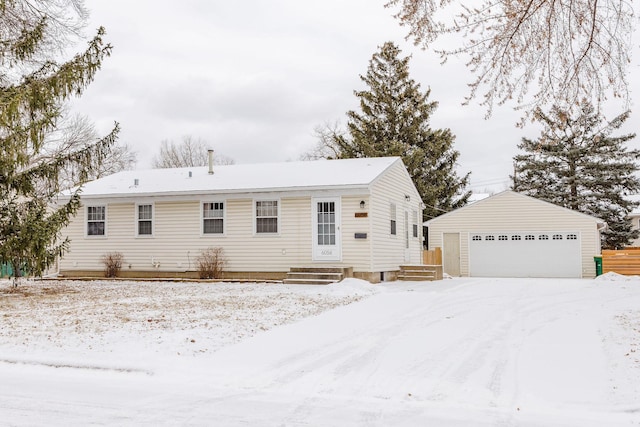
(463, 352)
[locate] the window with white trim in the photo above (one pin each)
(392, 217)
(516, 237)
(213, 218)
(503, 237)
(529, 237)
(96, 220)
(476, 238)
(145, 220)
(572, 237)
(266, 216)
(557, 237)
(490, 238)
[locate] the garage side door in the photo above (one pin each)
(451, 254)
(526, 254)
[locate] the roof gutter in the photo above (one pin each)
(227, 192)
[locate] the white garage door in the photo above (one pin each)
(525, 254)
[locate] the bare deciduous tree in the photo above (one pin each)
(535, 52)
(75, 132)
(188, 153)
(41, 27)
(326, 147)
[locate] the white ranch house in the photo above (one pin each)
(513, 235)
(361, 215)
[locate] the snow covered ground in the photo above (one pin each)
(459, 352)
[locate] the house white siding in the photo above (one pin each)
(512, 212)
(178, 238)
(389, 250)
(356, 252)
(248, 251)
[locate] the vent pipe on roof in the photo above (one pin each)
(190, 174)
(210, 161)
(136, 181)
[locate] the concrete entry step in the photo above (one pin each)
(420, 272)
(317, 275)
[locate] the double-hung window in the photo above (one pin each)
(392, 216)
(213, 218)
(266, 216)
(96, 220)
(145, 220)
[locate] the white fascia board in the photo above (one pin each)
(243, 194)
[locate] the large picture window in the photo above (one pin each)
(213, 218)
(96, 220)
(145, 220)
(266, 216)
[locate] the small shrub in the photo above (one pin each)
(112, 263)
(211, 263)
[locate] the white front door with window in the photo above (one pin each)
(326, 229)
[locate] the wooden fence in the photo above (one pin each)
(625, 261)
(433, 257)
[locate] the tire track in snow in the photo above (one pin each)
(479, 358)
(362, 346)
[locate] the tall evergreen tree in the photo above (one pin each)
(394, 121)
(576, 163)
(33, 88)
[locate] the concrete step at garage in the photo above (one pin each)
(420, 272)
(316, 275)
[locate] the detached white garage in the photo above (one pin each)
(513, 235)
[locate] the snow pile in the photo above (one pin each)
(615, 277)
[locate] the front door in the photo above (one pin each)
(326, 229)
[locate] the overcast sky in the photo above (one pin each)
(254, 78)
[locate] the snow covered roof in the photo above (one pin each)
(243, 178)
(476, 197)
(601, 223)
